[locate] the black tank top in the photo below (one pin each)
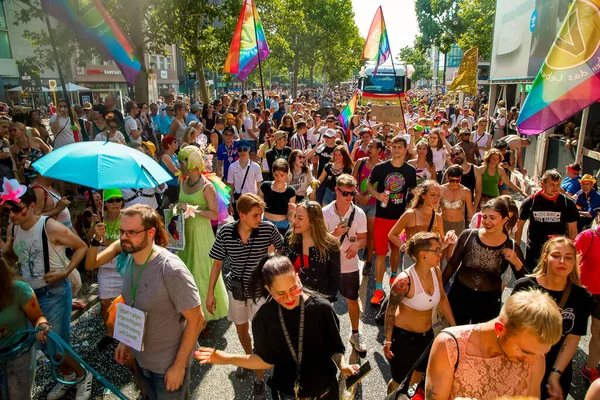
(468, 180)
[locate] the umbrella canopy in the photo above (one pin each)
(20, 88)
(71, 87)
(102, 165)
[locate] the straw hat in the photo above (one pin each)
(587, 178)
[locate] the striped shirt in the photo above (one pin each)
(242, 258)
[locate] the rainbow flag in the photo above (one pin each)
(348, 111)
(569, 79)
(91, 23)
(377, 45)
(248, 43)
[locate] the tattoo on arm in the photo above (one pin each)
(429, 393)
(397, 293)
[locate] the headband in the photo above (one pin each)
(12, 191)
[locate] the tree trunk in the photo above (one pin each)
(137, 40)
(295, 77)
(311, 71)
(202, 82)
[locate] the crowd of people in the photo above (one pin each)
(285, 209)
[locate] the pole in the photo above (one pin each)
(262, 84)
(61, 76)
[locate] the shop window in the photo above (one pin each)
(5, 51)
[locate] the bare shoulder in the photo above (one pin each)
(401, 283)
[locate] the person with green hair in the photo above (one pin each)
(198, 200)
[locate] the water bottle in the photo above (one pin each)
(384, 205)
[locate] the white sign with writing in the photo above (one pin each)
(129, 326)
(164, 74)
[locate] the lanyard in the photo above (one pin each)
(137, 281)
(297, 357)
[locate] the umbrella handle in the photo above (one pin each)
(94, 208)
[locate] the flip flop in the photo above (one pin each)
(77, 305)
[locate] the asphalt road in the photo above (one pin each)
(219, 382)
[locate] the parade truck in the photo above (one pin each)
(377, 89)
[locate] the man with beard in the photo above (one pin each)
(159, 284)
(470, 148)
(470, 179)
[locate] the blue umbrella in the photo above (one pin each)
(102, 165)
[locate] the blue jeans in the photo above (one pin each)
(56, 302)
(156, 389)
(17, 376)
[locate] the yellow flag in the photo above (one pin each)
(466, 78)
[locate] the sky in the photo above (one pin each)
(400, 20)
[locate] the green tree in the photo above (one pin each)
(439, 23)
(417, 58)
(479, 25)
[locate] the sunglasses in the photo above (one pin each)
(454, 154)
(437, 251)
(243, 148)
(114, 200)
(293, 294)
(345, 194)
(300, 157)
(454, 180)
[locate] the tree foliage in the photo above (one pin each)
(416, 56)
(478, 17)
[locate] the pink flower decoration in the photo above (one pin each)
(12, 190)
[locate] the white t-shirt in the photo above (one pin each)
(64, 135)
(236, 173)
(118, 138)
(439, 158)
(131, 125)
(359, 225)
(314, 137)
(249, 125)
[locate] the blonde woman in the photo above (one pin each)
(491, 173)
(558, 275)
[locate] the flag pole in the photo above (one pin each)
(395, 77)
(262, 84)
(61, 76)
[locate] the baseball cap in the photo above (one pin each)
(329, 133)
(365, 130)
(280, 134)
(195, 107)
(243, 143)
(256, 110)
(330, 118)
(112, 194)
(228, 129)
(87, 106)
(150, 146)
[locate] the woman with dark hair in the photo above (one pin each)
(18, 308)
(314, 251)
(279, 197)
(455, 198)
(440, 149)
(290, 316)
(287, 125)
(408, 319)
(299, 177)
(26, 150)
(483, 256)
(170, 163)
(424, 162)
(113, 134)
(558, 275)
(340, 163)
(207, 117)
(97, 124)
(34, 120)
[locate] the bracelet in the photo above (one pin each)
(558, 371)
(387, 342)
(94, 242)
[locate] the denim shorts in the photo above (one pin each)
(56, 302)
(369, 209)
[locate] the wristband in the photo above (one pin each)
(558, 371)
(94, 242)
(387, 342)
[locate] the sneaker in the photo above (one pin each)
(591, 374)
(378, 297)
(367, 268)
(239, 372)
(357, 342)
(259, 390)
(60, 389)
(84, 389)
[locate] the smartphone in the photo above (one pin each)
(362, 372)
(344, 222)
(6, 149)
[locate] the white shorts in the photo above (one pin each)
(240, 311)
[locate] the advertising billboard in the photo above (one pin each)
(524, 31)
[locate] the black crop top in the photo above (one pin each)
(277, 202)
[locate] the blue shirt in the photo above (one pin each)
(228, 156)
(165, 124)
(191, 117)
(588, 203)
(174, 180)
(571, 185)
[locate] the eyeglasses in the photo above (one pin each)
(293, 293)
(114, 200)
(243, 148)
(132, 233)
(344, 193)
(454, 154)
(437, 251)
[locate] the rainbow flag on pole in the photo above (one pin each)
(569, 79)
(248, 43)
(348, 111)
(90, 22)
(377, 45)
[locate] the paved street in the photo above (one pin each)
(219, 382)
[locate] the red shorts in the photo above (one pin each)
(380, 235)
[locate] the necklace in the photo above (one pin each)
(195, 183)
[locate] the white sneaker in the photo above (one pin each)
(84, 389)
(60, 389)
(357, 342)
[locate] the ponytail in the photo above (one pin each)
(269, 267)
